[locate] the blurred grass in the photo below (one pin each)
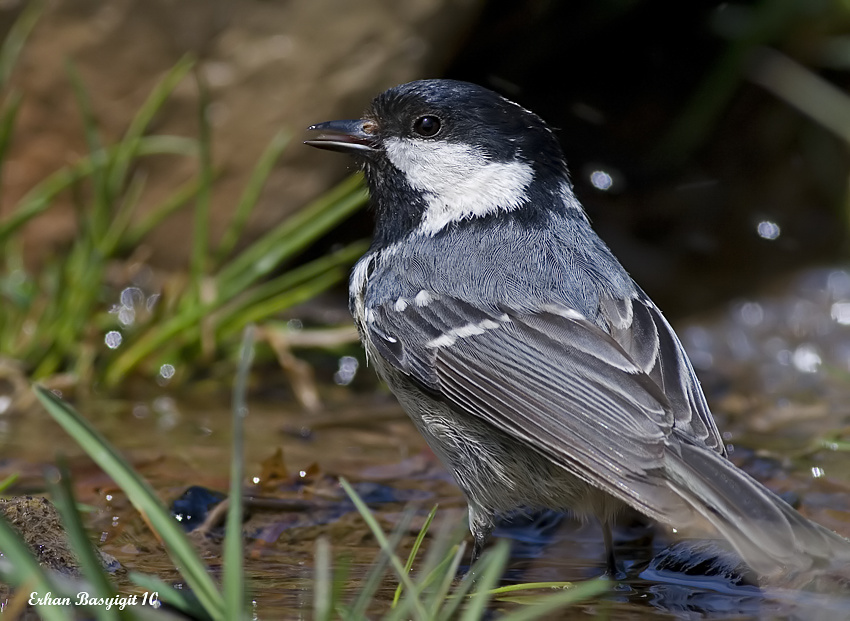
(754, 35)
(55, 320)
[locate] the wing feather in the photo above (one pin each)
(554, 380)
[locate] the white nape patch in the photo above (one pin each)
(564, 311)
(400, 305)
(459, 181)
(570, 199)
(471, 329)
(423, 298)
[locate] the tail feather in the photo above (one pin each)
(771, 536)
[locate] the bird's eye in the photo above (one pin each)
(427, 126)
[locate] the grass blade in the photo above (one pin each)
(531, 586)
(372, 523)
(97, 219)
(322, 581)
(11, 106)
(129, 148)
(549, 604)
(59, 484)
(149, 221)
(420, 537)
(16, 38)
(365, 596)
(442, 590)
(802, 89)
(142, 496)
(295, 286)
(487, 573)
(234, 586)
(112, 236)
(199, 258)
(8, 482)
(38, 199)
(291, 236)
(251, 195)
(26, 574)
(182, 601)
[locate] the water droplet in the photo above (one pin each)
(132, 297)
(151, 301)
(347, 370)
(752, 314)
(601, 180)
(840, 312)
(126, 316)
(113, 339)
(806, 358)
(768, 230)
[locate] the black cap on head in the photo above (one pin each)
(468, 114)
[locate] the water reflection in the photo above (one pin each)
(783, 343)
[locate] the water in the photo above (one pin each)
(775, 367)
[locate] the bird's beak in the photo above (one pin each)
(354, 137)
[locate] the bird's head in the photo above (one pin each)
(438, 153)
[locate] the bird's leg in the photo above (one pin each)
(610, 558)
(480, 540)
(481, 524)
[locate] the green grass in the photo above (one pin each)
(54, 320)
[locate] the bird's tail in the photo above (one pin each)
(776, 541)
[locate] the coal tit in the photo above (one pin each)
(539, 373)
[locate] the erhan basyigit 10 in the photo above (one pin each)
(539, 373)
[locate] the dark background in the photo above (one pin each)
(660, 95)
(667, 98)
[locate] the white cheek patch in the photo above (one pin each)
(458, 181)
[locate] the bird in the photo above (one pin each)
(536, 369)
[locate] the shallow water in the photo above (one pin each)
(775, 367)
